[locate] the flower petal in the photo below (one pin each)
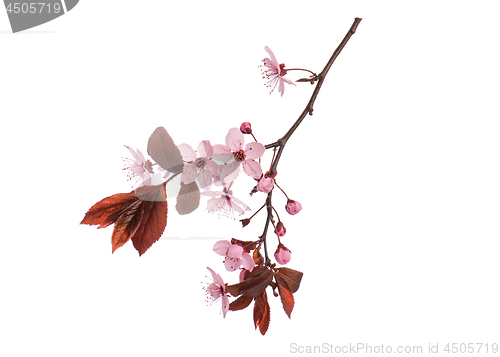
(136, 156)
(189, 174)
(235, 251)
(214, 204)
(281, 87)
(216, 278)
(289, 81)
(252, 168)
(225, 305)
(205, 178)
(205, 149)
(235, 139)
(247, 261)
(210, 193)
(187, 152)
(230, 171)
(236, 200)
(232, 264)
(254, 150)
(236, 208)
(272, 56)
(221, 153)
(221, 247)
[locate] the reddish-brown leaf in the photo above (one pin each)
(261, 313)
(140, 215)
(240, 303)
(99, 212)
(188, 199)
(285, 295)
(162, 149)
(247, 245)
(253, 285)
(126, 225)
(292, 277)
(257, 257)
(154, 217)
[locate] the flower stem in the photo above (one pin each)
(282, 190)
(300, 69)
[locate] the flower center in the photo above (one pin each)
(200, 163)
(240, 155)
(283, 71)
(148, 166)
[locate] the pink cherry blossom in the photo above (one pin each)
(265, 184)
(235, 255)
(217, 291)
(275, 72)
(293, 207)
(140, 168)
(282, 254)
(197, 168)
(234, 155)
(224, 202)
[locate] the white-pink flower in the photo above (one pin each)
(234, 155)
(275, 72)
(217, 291)
(140, 168)
(224, 201)
(197, 168)
(235, 255)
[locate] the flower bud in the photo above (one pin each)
(280, 229)
(293, 207)
(265, 184)
(282, 254)
(245, 221)
(246, 128)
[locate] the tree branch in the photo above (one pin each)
(308, 109)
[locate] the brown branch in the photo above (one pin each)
(308, 109)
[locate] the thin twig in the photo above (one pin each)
(308, 110)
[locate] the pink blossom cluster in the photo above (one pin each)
(215, 168)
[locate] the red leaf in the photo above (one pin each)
(99, 212)
(253, 285)
(188, 199)
(261, 313)
(140, 215)
(240, 303)
(292, 277)
(126, 225)
(257, 257)
(154, 219)
(247, 245)
(162, 149)
(285, 295)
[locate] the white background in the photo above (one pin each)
(397, 171)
